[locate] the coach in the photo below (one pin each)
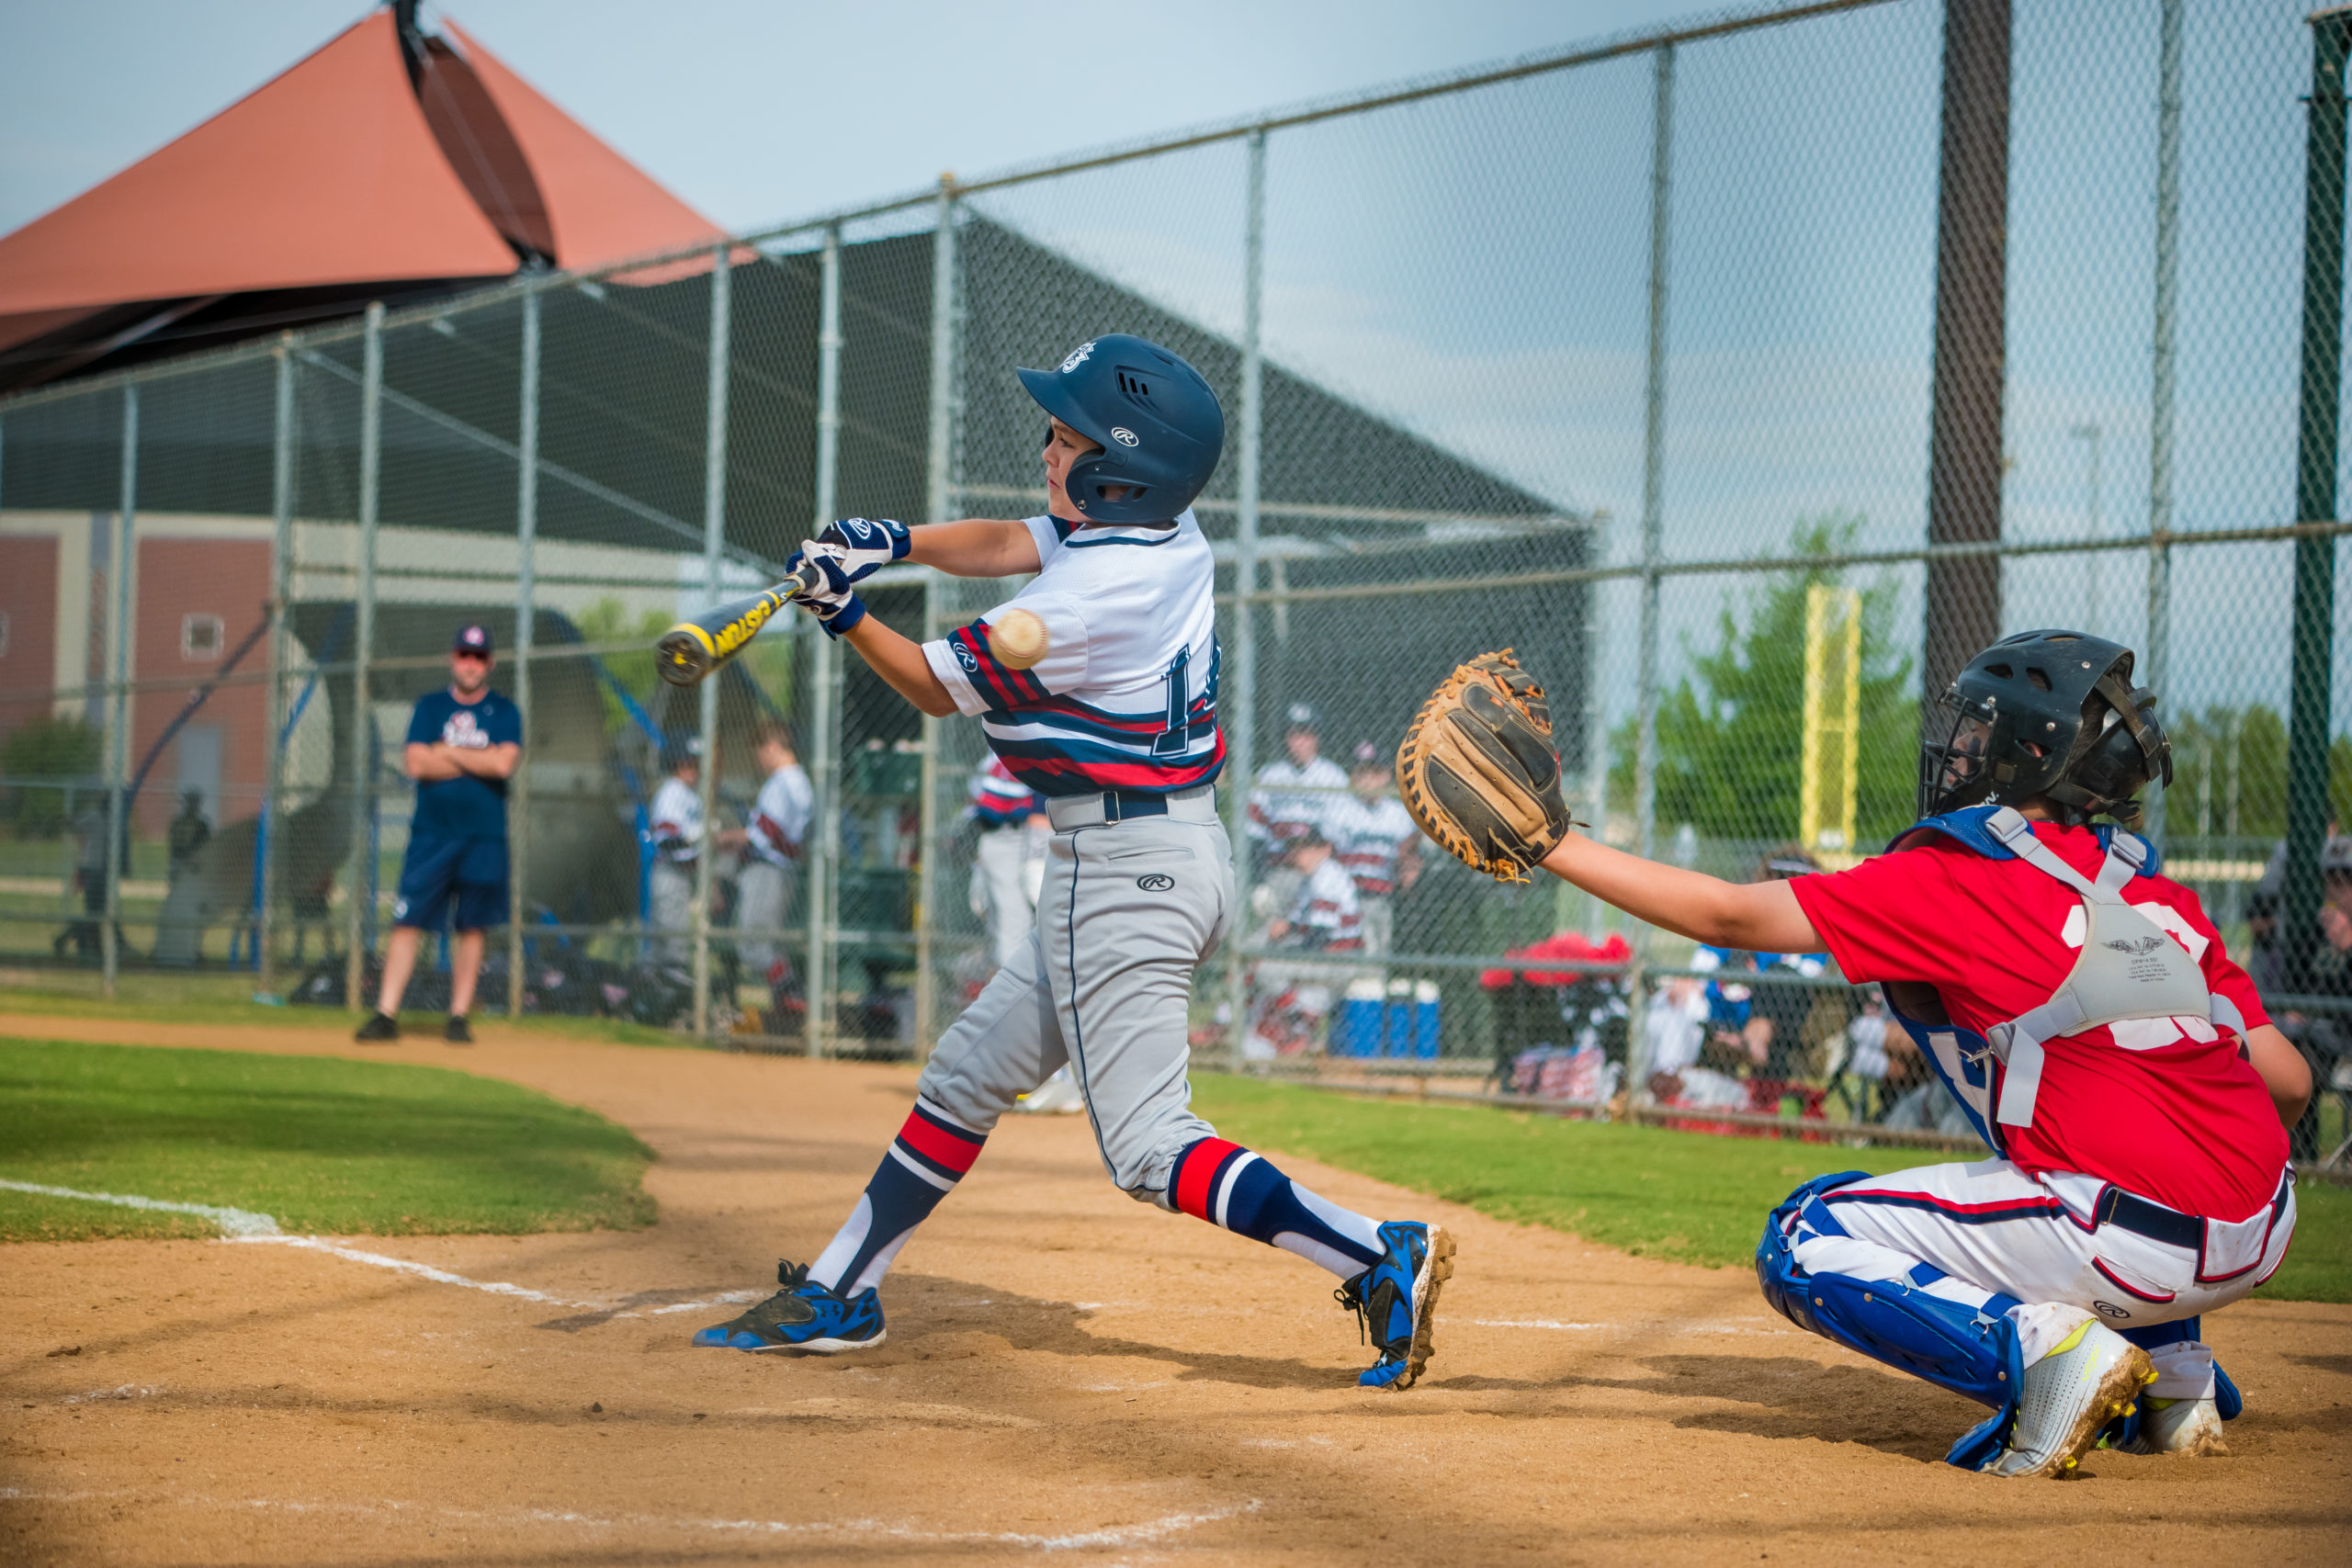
(463, 745)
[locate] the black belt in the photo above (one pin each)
(2119, 1208)
(1118, 804)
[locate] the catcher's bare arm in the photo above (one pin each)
(1761, 917)
(1479, 773)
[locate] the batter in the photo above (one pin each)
(1116, 727)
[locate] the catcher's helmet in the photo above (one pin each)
(1159, 425)
(2048, 713)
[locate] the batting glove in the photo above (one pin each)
(834, 603)
(864, 545)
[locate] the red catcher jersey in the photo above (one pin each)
(2188, 1123)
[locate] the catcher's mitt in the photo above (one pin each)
(1478, 772)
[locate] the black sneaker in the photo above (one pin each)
(458, 1031)
(382, 1027)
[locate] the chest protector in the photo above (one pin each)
(2128, 968)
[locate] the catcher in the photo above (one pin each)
(2076, 1003)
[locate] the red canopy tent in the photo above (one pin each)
(389, 164)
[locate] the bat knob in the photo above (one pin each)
(682, 656)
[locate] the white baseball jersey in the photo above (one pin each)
(677, 815)
(1366, 838)
(1327, 912)
(779, 819)
(1290, 799)
(1125, 697)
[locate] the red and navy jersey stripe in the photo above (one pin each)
(997, 683)
(1063, 746)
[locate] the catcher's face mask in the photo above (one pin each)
(1954, 755)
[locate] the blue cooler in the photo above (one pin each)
(1355, 1031)
(1397, 1031)
(1425, 1020)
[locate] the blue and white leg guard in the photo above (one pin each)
(1970, 1349)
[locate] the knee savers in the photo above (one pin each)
(1952, 1345)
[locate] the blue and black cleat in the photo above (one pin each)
(1395, 1300)
(802, 1317)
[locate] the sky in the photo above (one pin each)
(755, 111)
(1475, 267)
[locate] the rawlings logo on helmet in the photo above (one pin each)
(1124, 437)
(1078, 356)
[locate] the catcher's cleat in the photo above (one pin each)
(1395, 1300)
(2065, 1399)
(457, 1032)
(802, 1317)
(378, 1028)
(2187, 1428)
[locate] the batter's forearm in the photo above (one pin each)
(1757, 918)
(901, 663)
(974, 548)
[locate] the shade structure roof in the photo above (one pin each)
(379, 164)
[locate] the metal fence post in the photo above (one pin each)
(713, 543)
(1653, 545)
(2313, 651)
(941, 508)
(527, 538)
(2160, 384)
(361, 887)
(281, 579)
(1241, 757)
(1596, 718)
(119, 654)
(822, 728)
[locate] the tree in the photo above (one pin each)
(55, 751)
(2241, 751)
(1731, 736)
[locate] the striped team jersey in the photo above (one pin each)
(1126, 697)
(999, 800)
(1366, 838)
(1327, 915)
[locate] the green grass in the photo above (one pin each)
(228, 999)
(322, 1144)
(1684, 1196)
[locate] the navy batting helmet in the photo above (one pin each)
(2049, 713)
(1159, 425)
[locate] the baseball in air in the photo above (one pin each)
(1018, 639)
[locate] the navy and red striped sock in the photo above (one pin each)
(1232, 1187)
(926, 1160)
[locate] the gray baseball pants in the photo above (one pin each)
(762, 896)
(1129, 910)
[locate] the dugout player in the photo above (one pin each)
(1116, 727)
(2081, 1007)
(464, 743)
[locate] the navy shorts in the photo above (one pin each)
(462, 881)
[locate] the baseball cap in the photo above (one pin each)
(472, 639)
(1368, 755)
(1302, 717)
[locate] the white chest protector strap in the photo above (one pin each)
(2128, 968)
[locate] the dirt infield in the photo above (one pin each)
(1068, 1373)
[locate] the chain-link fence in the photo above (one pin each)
(1745, 378)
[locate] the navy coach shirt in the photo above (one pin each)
(465, 806)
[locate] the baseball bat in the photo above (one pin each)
(690, 650)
